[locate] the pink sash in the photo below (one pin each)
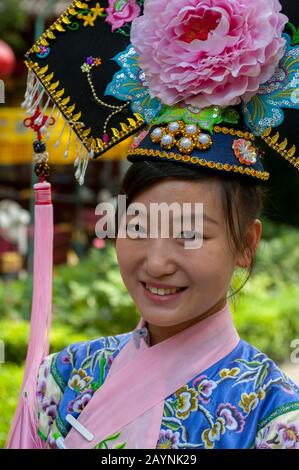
(128, 408)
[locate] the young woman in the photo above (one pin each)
(183, 379)
(191, 382)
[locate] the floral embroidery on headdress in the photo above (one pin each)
(280, 91)
(121, 12)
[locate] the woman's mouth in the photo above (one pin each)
(159, 294)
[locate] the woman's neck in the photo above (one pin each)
(161, 333)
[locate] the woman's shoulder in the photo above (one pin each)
(73, 374)
(80, 355)
(256, 369)
(278, 420)
(252, 359)
(251, 399)
(86, 353)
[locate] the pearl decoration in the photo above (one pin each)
(191, 129)
(157, 133)
(185, 143)
(174, 126)
(204, 139)
(166, 140)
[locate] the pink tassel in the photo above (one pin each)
(23, 432)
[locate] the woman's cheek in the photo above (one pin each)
(123, 254)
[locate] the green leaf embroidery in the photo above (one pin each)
(230, 115)
(86, 363)
(102, 368)
(261, 376)
(295, 32)
(172, 423)
(168, 409)
(205, 118)
(251, 365)
(113, 437)
(121, 445)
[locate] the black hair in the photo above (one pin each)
(243, 197)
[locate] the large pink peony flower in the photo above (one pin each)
(208, 52)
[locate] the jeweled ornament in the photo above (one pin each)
(185, 145)
(156, 135)
(203, 141)
(245, 151)
(167, 141)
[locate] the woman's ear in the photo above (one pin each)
(253, 237)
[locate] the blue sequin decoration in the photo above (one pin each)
(281, 91)
(129, 84)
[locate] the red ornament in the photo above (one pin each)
(30, 122)
(7, 60)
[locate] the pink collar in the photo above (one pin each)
(204, 328)
(123, 406)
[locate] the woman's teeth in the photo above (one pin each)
(172, 290)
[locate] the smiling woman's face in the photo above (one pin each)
(204, 273)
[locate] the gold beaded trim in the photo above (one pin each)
(234, 132)
(66, 106)
(199, 161)
(281, 147)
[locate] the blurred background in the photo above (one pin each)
(89, 298)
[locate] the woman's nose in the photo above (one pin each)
(159, 258)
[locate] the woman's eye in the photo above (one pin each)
(136, 229)
(190, 235)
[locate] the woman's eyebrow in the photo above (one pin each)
(146, 215)
(205, 217)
